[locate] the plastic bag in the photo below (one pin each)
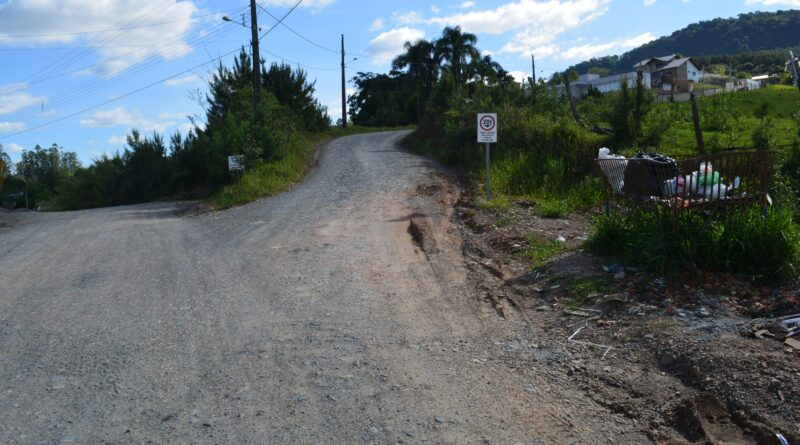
(614, 171)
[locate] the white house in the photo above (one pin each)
(582, 86)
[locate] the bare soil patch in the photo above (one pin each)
(677, 355)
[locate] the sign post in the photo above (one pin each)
(487, 134)
(236, 163)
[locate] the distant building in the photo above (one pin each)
(672, 77)
(651, 65)
(586, 82)
(677, 76)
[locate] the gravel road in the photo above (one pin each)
(310, 317)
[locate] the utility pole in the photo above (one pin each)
(533, 70)
(344, 90)
(256, 55)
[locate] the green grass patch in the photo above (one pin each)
(737, 241)
(540, 251)
(267, 178)
(502, 222)
(553, 208)
(579, 288)
(497, 204)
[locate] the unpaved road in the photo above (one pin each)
(311, 317)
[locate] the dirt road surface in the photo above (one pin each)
(316, 316)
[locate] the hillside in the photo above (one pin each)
(759, 33)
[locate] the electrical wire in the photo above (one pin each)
(82, 90)
(280, 21)
(298, 34)
(118, 98)
(298, 63)
(149, 85)
(20, 36)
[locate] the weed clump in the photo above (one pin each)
(738, 241)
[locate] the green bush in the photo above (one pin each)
(536, 154)
(738, 241)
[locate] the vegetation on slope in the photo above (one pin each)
(271, 138)
(750, 36)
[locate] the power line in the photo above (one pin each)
(64, 61)
(215, 59)
(298, 63)
(82, 90)
(280, 21)
(98, 31)
(131, 93)
(298, 34)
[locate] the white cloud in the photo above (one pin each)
(792, 3)
(119, 117)
(390, 43)
(15, 148)
(519, 76)
(13, 98)
(649, 2)
(159, 30)
(117, 140)
(407, 18)
(537, 23)
(377, 25)
(173, 115)
(435, 9)
(469, 4)
(588, 51)
(8, 127)
(179, 81)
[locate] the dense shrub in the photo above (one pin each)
(738, 241)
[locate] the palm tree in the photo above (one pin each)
(454, 48)
(487, 69)
(423, 69)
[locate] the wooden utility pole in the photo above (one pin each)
(698, 129)
(256, 55)
(344, 89)
(533, 69)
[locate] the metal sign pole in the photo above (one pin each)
(488, 172)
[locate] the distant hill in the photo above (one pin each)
(758, 33)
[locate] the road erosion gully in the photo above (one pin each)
(338, 312)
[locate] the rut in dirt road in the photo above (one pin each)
(311, 317)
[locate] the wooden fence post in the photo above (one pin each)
(698, 130)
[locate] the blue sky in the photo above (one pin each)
(61, 57)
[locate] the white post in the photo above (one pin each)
(488, 172)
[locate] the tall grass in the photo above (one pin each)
(738, 241)
(550, 159)
(269, 178)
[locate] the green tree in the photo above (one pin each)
(456, 49)
(293, 90)
(5, 163)
(422, 70)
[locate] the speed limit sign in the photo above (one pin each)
(487, 128)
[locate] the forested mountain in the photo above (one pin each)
(755, 35)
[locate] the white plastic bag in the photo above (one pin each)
(614, 171)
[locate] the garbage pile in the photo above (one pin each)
(658, 176)
(783, 329)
